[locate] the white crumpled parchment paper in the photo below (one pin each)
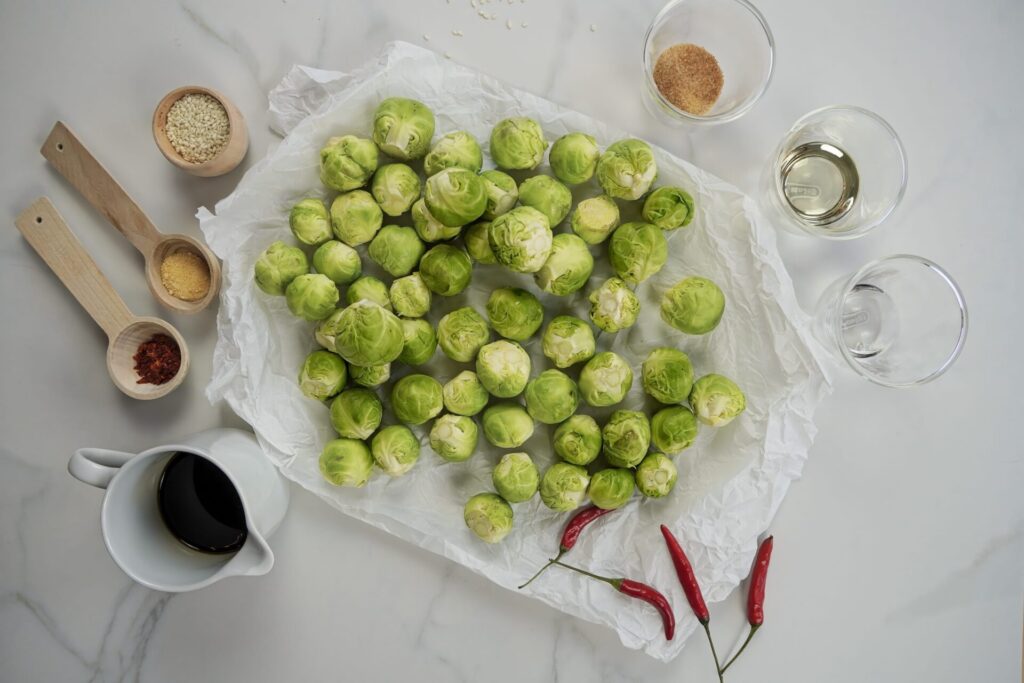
(731, 481)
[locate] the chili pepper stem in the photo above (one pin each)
(542, 569)
(753, 630)
(611, 582)
(711, 642)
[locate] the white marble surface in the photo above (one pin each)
(899, 555)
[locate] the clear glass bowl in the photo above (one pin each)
(735, 32)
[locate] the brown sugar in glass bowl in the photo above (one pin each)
(689, 77)
(200, 131)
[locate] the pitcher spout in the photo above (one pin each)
(255, 558)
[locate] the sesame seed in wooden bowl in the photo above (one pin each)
(199, 130)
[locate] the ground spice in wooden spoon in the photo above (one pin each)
(689, 77)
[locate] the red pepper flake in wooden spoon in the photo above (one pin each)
(689, 77)
(158, 360)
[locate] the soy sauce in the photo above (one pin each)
(200, 506)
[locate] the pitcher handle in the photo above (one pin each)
(97, 466)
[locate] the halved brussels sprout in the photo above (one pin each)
(446, 270)
(478, 242)
(410, 297)
(507, 425)
(369, 288)
(395, 449)
(455, 196)
(595, 218)
(669, 208)
(454, 150)
(503, 368)
(578, 440)
(488, 516)
(403, 128)
(338, 261)
(694, 305)
(429, 228)
(454, 437)
(502, 193)
(310, 222)
(573, 158)
(277, 266)
(327, 329)
(347, 162)
(656, 475)
(516, 477)
(716, 400)
(368, 334)
(395, 187)
(464, 394)
(518, 143)
(568, 340)
(462, 333)
(346, 462)
(627, 169)
(514, 313)
(356, 413)
(637, 251)
(564, 486)
(568, 266)
(416, 399)
(605, 379)
(613, 306)
(626, 437)
(547, 195)
(312, 296)
(667, 375)
(673, 429)
(551, 397)
(521, 239)
(396, 249)
(612, 488)
(355, 217)
(420, 341)
(322, 375)
(370, 375)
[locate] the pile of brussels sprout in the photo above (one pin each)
(462, 215)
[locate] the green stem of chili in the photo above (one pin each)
(718, 668)
(753, 630)
(541, 570)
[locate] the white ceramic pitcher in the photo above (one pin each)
(135, 534)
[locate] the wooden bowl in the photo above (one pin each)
(167, 245)
(121, 358)
(227, 159)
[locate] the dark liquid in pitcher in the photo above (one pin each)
(200, 506)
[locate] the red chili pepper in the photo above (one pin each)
(635, 589)
(571, 534)
(755, 596)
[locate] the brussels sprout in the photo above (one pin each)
(516, 477)
(395, 187)
(625, 438)
(573, 158)
(420, 341)
(277, 266)
(502, 193)
(455, 197)
(612, 488)
(429, 228)
(568, 340)
(403, 128)
(627, 169)
(564, 486)
(462, 333)
(454, 150)
(416, 399)
(568, 266)
(656, 475)
(488, 516)
(356, 413)
(693, 305)
(547, 195)
(454, 437)
(507, 425)
(326, 331)
(310, 222)
(395, 449)
(669, 208)
(514, 313)
(478, 242)
(637, 251)
(613, 306)
(521, 239)
(667, 375)
(312, 296)
(464, 394)
(446, 270)
(370, 375)
(368, 334)
(355, 217)
(410, 296)
(716, 400)
(347, 162)
(396, 249)
(518, 143)
(503, 368)
(578, 440)
(338, 261)
(605, 379)
(369, 288)
(551, 397)
(595, 218)
(346, 462)
(323, 374)
(673, 429)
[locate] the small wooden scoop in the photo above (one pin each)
(69, 156)
(45, 229)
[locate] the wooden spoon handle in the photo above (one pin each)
(69, 156)
(44, 228)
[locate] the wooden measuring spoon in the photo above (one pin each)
(44, 228)
(69, 156)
